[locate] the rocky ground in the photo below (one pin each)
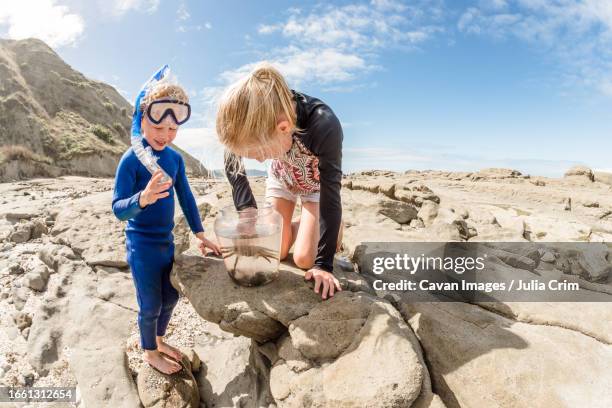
(68, 308)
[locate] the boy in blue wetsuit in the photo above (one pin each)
(147, 202)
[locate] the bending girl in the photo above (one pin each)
(260, 118)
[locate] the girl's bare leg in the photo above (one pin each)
(307, 237)
(285, 208)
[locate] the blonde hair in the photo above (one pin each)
(164, 90)
(249, 109)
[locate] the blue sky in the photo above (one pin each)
(426, 84)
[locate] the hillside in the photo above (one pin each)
(54, 121)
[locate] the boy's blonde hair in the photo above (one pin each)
(249, 110)
(164, 91)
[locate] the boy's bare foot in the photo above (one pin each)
(169, 350)
(160, 362)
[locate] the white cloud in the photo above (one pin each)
(182, 13)
(357, 26)
(493, 4)
(389, 5)
(183, 16)
(118, 8)
(339, 44)
(197, 27)
(577, 34)
(44, 19)
(268, 29)
(300, 65)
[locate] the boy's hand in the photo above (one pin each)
(328, 280)
(154, 190)
(206, 243)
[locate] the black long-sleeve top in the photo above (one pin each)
(321, 133)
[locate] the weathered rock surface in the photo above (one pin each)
(332, 338)
(293, 349)
(603, 177)
(467, 347)
(234, 372)
(496, 173)
(75, 223)
(104, 381)
(580, 172)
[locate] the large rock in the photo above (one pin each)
(465, 345)
(345, 342)
(603, 177)
(234, 372)
(477, 359)
(580, 172)
(593, 319)
(545, 227)
(104, 377)
(399, 202)
(379, 185)
(364, 341)
(428, 212)
(589, 262)
(415, 194)
(398, 211)
(21, 233)
(76, 222)
(496, 173)
(37, 278)
(74, 316)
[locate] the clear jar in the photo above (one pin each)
(250, 242)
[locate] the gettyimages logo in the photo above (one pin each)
(410, 264)
(489, 271)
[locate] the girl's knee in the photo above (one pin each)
(303, 260)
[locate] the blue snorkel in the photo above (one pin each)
(145, 155)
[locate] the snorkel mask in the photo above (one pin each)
(157, 111)
(160, 109)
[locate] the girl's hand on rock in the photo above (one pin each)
(206, 243)
(323, 278)
(154, 190)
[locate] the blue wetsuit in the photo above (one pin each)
(149, 239)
